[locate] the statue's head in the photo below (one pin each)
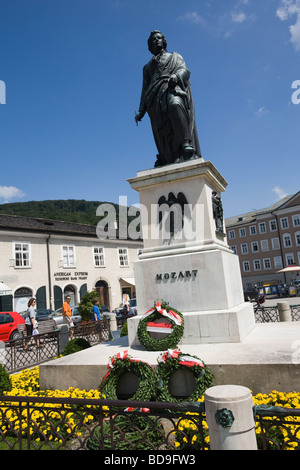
(151, 37)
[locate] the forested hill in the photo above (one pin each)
(71, 210)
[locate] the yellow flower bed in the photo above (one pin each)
(57, 425)
(286, 436)
(44, 424)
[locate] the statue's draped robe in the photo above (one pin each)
(159, 100)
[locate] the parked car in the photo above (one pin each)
(9, 322)
(105, 311)
(58, 317)
(40, 314)
(283, 290)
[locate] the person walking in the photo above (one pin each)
(30, 323)
(67, 315)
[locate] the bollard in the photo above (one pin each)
(63, 337)
(113, 321)
(284, 311)
(230, 418)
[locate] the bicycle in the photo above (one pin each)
(259, 308)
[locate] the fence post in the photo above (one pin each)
(284, 311)
(230, 418)
(63, 337)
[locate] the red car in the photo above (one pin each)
(9, 322)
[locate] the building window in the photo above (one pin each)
(262, 227)
(242, 232)
(273, 225)
(275, 244)
(231, 234)
(297, 237)
(267, 263)
(99, 259)
(246, 266)
(234, 249)
(277, 262)
(284, 222)
(254, 247)
(68, 255)
(22, 255)
(123, 257)
(244, 248)
(264, 245)
(296, 220)
(289, 258)
(287, 241)
(252, 230)
(257, 265)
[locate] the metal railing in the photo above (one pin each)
(40, 423)
(277, 428)
(26, 352)
(94, 331)
(93, 424)
(30, 351)
(270, 313)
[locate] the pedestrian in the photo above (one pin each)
(30, 323)
(67, 315)
(96, 310)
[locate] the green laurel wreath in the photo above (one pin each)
(146, 375)
(168, 342)
(203, 376)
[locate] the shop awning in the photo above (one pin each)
(4, 290)
(128, 280)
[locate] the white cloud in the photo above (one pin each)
(238, 17)
(192, 17)
(10, 192)
(280, 193)
(261, 111)
(286, 10)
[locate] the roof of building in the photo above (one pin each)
(250, 217)
(38, 225)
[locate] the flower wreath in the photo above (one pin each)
(122, 363)
(174, 329)
(171, 361)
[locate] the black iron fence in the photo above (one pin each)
(277, 428)
(92, 424)
(271, 314)
(39, 423)
(29, 351)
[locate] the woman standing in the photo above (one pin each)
(30, 322)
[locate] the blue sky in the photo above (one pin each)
(72, 71)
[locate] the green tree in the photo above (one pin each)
(87, 303)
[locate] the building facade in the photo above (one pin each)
(266, 241)
(48, 259)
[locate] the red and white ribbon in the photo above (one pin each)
(143, 410)
(170, 314)
(123, 355)
(184, 360)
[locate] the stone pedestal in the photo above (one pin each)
(186, 260)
